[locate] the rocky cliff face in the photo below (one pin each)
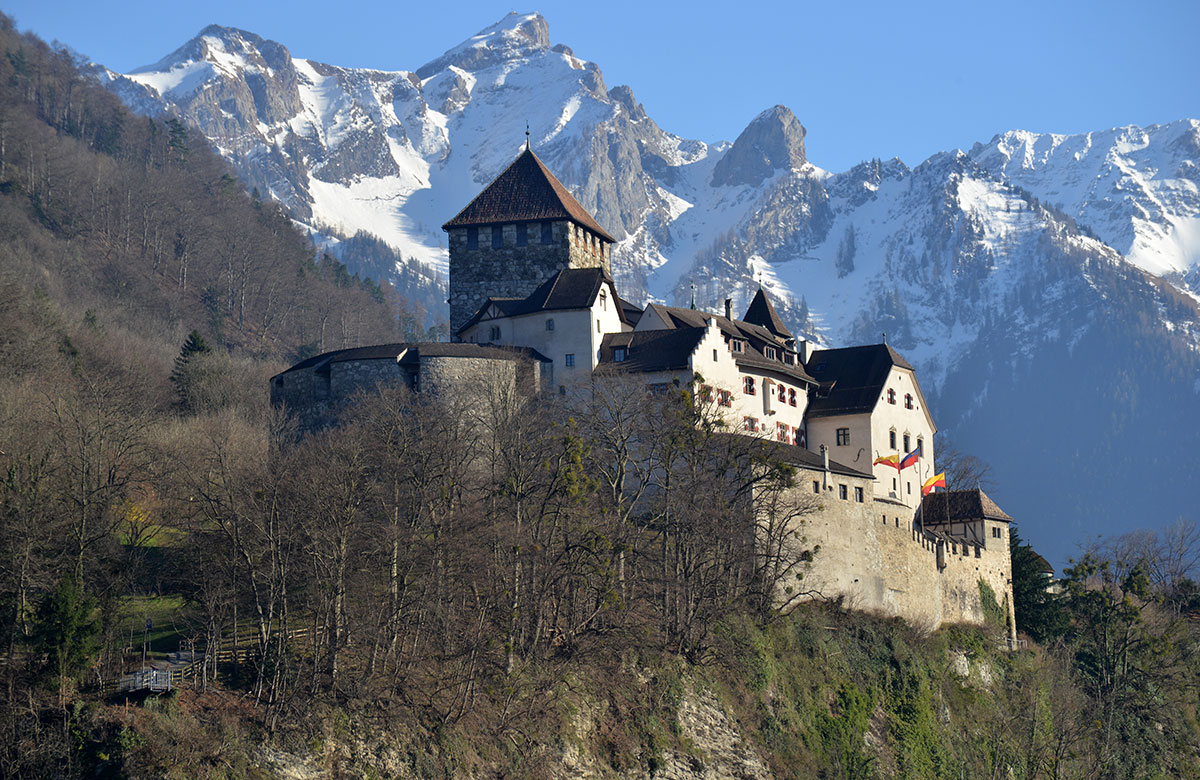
(1051, 277)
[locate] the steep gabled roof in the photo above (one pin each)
(651, 350)
(761, 312)
(570, 288)
(851, 378)
(960, 506)
(526, 191)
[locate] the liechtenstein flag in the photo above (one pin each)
(910, 459)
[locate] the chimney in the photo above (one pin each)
(805, 351)
(729, 308)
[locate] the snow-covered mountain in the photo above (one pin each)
(1044, 285)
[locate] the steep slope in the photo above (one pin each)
(1031, 250)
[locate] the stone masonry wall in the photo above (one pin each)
(875, 558)
(512, 271)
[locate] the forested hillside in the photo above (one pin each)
(485, 590)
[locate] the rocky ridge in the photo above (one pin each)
(1063, 253)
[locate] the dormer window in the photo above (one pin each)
(908, 402)
(735, 346)
(619, 354)
(472, 238)
(891, 397)
(769, 352)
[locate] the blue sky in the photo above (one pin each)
(869, 79)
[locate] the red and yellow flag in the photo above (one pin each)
(892, 460)
(937, 480)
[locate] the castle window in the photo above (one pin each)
(907, 441)
(816, 487)
(769, 352)
(495, 333)
(858, 494)
(547, 232)
(920, 447)
(726, 398)
(714, 356)
(996, 533)
(705, 393)
(977, 552)
(569, 360)
(781, 432)
(735, 346)
(908, 404)
(885, 519)
(891, 396)
(550, 324)
(603, 300)
(909, 485)
(892, 439)
(598, 326)
(843, 436)
(522, 234)
(497, 236)
(472, 238)
(748, 385)
(618, 354)
(792, 397)
(750, 424)
(843, 493)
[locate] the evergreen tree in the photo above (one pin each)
(181, 375)
(67, 631)
(1039, 613)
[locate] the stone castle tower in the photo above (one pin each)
(522, 229)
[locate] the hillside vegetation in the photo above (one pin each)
(499, 588)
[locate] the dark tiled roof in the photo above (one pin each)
(851, 378)
(414, 351)
(761, 312)
(631, 311)
(806, 458)
(958, 506)
(756, 335)
(571, 288)
(651, 350)
(525, 191)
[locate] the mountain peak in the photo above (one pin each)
(516, 35)
(773, 140)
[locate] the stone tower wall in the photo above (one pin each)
(874, 558)
(512, 271)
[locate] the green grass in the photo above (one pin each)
(169, 615)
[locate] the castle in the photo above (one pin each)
(533, 302)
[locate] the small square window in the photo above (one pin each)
(569, 360)
(618, 354)
(494, 334)
(843, 436)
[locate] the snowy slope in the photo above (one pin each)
(1045, 286)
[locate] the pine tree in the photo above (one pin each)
(180, 375)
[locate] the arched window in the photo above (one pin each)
(748, 385)
(892, 440)
(908, 404)
(891, 396)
